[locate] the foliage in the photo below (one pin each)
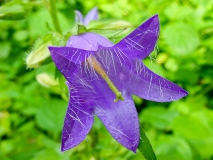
(31, 115)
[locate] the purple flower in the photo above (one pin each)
(102, 76)
(91, 15)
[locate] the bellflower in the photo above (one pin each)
(91, 15)
(101, 77)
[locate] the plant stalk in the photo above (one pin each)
(54, 16)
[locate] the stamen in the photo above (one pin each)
(97, 67)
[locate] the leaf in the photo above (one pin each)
(44, 17)
(50, 154)
(176, 11)
(145, 147)
(5, 48)
(51, 115)
(173, 148)
(197, 129)
(182, 38)
(158, 116)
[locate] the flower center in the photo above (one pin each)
(97, 67)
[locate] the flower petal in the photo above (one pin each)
(91, 15)
(136, 78)
(67, 57)
(88, 41)
(78, 17)
(120, 119)
(144, 83)
(78, 121)
(65, 66)
(141, 42)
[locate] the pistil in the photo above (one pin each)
(97, 67)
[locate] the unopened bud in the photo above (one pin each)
(37, 56)
(48, 81)
(119, 24)
(110, 28)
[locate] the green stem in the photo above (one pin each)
(206, 89)
(53, 13)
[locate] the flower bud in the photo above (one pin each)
(110, 28)
(46, 80)
(37, 56)
(119, 24)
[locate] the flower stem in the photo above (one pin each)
(97, 67)
(53, 13)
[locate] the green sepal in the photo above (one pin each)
(58, 39)
(81, 29)
(145, 147)
(39, 53)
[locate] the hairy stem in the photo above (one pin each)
(97, 67)
(53, 13)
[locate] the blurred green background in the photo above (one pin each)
(31, 115)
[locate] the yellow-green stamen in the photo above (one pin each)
(97, 67)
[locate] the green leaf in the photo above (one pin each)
(50, 154)
(51, 115)
(158, 116)
(201, 2)
(173, 148)
(182, 38)
(176, 11)
(4, 49)
(197, 129)
(44, 18)
(145, 147)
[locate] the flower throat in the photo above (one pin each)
(97, 67)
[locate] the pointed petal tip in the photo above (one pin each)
(63, 149)
(95, 9)
(134, 148)
(182, 93)
(155, 17)
(65, 146)
(185, 93)
(50, 48)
